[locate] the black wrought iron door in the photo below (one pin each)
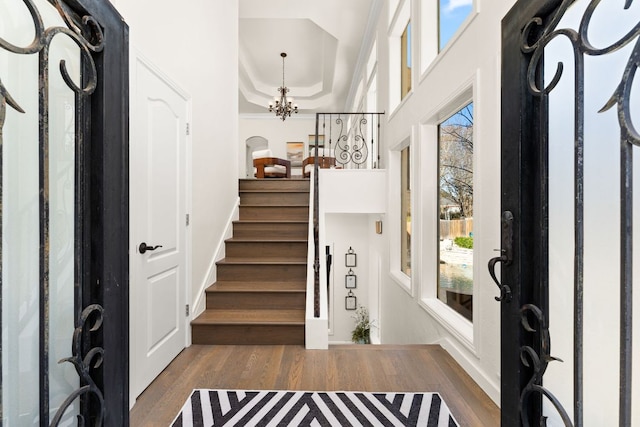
(568, 141)
(64, 213)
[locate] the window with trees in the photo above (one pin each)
(451, 13)
(455, 180)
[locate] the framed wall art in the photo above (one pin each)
(350, 280)
(350, 301)
(350, 258)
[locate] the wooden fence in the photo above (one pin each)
(450, 229)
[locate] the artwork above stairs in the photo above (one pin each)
(260, 292)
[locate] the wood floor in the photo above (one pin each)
(424, 368)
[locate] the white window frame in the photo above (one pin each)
(429, 34)
(399, 23)
(452, 321)
(395, 170)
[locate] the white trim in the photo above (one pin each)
(368, 41)
(443, 53)
(470, 366)
(400, 21)
(402, 12)
(459, 97)
(452, 321)
(402, 279)
(459, 327)
(199, 303)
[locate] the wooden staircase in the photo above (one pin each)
(259, 297)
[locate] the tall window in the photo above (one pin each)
(455, 168)
(405, 206)
(452, 14)
(405, 61)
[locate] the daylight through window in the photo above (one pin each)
(455, 180)
(452, 13)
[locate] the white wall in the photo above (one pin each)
(278, 133)
(466, 68)
(196, 46)
(351, 201)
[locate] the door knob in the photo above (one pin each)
(144, 248)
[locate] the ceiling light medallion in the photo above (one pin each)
(283, 105)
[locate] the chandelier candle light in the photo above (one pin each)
(284, 106)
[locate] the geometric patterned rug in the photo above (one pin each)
(206, 408)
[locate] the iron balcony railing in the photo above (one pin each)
(342, 141)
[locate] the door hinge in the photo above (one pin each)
(187, 220)
(186, 311)
(188, 129)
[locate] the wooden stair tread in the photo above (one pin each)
(277, 206)
(270, 221)
(251, 317)
(274, 179)
(258, 239)
(274, 190)
(280, 287)
(263, 261)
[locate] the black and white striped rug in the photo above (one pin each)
(300, 408)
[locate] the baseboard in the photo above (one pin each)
(199, 304)
(489, 386)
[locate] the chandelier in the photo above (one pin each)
(283, 105)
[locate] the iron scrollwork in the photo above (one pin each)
(351, 146)
(536, 35)
(83, 363)
(87, 34)
(538, 362)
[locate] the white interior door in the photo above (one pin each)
(158, 220)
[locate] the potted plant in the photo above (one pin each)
(362, 332)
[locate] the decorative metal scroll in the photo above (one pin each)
(537, 34)
(346, 141)
(87, 35)
(83, 363)
(351, 138)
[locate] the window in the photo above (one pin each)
(405, 61)
(452, 14)
(400, 60)
(455, 194)
(405, 209)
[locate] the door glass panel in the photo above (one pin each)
(20, 238)
(601, 215)
(63, 378)
(21, 219)
(455, 195)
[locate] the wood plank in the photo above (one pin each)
(274, 184)
(279, 212)
(249, 317)
(252, 286)
(417, 368)
(273, 229)
(254, 248)
(270, 198)
(248, 334)
(268, 271)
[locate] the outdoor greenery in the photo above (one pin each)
(464, 242)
